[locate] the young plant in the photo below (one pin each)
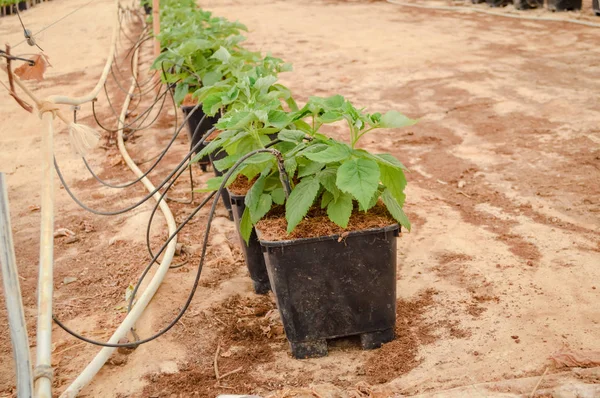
(331, 173)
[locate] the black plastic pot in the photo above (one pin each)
(147, 9)
(224, 192)
(253, 255)
(329, 287)
(195, 133)
(477, 1)
(528, 4)
(22, 5)
(596, 7)
(564, 5)
(498, 3)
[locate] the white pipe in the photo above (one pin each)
(94, 367)
(12, 295)
(61, 99)
(498, 14)
(43, 365)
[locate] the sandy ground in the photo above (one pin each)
(501, 268)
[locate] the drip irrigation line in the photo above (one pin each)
(126, 209)
(130, 125)
(483, 11)
(55, 22)
(190, 297)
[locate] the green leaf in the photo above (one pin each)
(340, 209)
(394, 119)
(390, 160)
(246, 226)
(395, 209)
(395, 181)
(327, 178)
(212, 184)
(263, 83)
(309, 169)
(300, 200)
(253, 195)
(181, 91)
(259, 158)
(211, 78)
(290, 166)
(330, 117)
(278, 119)
(325, 199)
(294, 136)
(222, 55)
(334, 102)
(264, 205)
(359, 177)
(211, 104)
(334, 153)
(278, 196)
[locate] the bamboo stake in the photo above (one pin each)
(156, 26)
(12, 295)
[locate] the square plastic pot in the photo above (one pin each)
(330, 287)
(528, 4)
(564, 5)
(195, 133)
(252, 251)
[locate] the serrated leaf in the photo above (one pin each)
(340, 209)
(181, 90)
(253, 195)
(278, 119)
(334, 102)
(330, 117)
(264, 205)
(395, 209)
(278, 196)
(211, 78)
(394, 119)
(394, 180)
(309, 169)
(290, 166)
(294, 136)
(211, 104)
(360, 178)
(389, 159)
(259, 158)
(300, 200)
(222, 55)
(213, 184)
(246, 226)
(263, 83)
(334, 153)
(325, 199)
(327, 178)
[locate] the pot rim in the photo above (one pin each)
(299, 241)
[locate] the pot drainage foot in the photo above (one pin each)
(370, 341)
(309, 349)
(262, 287)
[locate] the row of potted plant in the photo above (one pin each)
(317, 216)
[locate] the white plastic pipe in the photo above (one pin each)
(94, 367)
(12, 295)
(43, 366)
(61, 99)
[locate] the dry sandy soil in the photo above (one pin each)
(500, 271)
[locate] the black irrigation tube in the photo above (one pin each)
(126, 209)
(216, 194)
(159, 156)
